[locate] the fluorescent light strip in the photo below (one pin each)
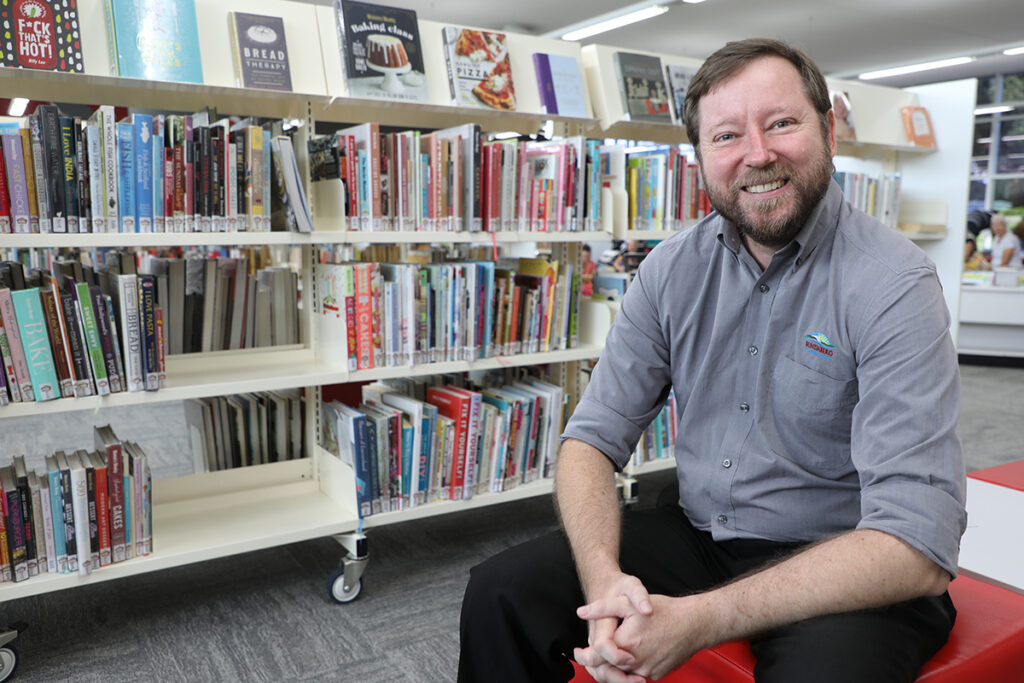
(998, 109)
(614, 23)
(17, 106)
(914, 68)
(1014, 51)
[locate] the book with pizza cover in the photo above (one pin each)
(260, 51)
(479, 71)
(642, 86)
(43, 34)
(169, 46)
(380, 51)
(679, 78)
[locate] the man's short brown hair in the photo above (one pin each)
(735, 55)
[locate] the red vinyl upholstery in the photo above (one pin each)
(1010, 475)
(987, 644)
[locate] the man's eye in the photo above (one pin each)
(724, 137)
(783, 124)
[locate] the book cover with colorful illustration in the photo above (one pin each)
(642, 86)
(260, 51)
(154, 39)
(380, 51)
(479, 72)
(41, 34)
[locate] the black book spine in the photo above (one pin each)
(69, 519)
(94, 535)
(216, 172)
(206, 159)
(69, 154)
(106, 332)
(82, 169)
(241, 181)
(54, 160)
(79, 362)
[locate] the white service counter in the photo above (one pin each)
(991, 320)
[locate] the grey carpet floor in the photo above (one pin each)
(265, 616)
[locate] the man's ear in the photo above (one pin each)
(831, 121)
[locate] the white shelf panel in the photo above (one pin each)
(659, 465)
(424, 237)
(540, 487)
(584, 352)
(155, 239)
(214, 526)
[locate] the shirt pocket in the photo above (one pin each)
(809, 416)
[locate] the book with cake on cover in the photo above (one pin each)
(679, 78)
(41, 34)
(479, 73)
(154, 39)
(260, 52)
(642, 86)
(560, 84)
(380, 51)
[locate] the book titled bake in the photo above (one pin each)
(154, 39)
(642, 86)
(380, 51)
(560, 84)
(679, 78)
(261, 55)
(918, 126)
(479, 73)
(41, 34)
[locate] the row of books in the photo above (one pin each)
(454, 180)
(145, 173)
(390, 314)
(416, 443)
(875, 195)
(665, 188)
(241, 430)
(86, 510)
(658, 440)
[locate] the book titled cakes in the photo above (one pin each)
(479, 72)
(380, 51)
(41, 34)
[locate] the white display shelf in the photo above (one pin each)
(205, 516)
(540, 487)
(659, 465)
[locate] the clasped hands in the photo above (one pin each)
(634, 635)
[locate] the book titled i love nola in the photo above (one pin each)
(41, 34)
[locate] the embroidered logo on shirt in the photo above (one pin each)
(820, 345)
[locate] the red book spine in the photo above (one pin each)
(5, 202)
(115, 491)
(374, 150)
(103, 514)
(457, 408)
(168, 189)
(485, 195)
(53, 328)
(352, 177)
(364, 316)
(495, 187)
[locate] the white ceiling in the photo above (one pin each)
(845, 37)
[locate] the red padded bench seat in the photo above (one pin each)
(1010, 475)
(987, 644)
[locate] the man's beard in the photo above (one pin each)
(756, 218)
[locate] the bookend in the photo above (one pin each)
(346, 583)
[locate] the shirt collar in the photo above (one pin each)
(822, 222)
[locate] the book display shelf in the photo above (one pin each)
(209, 515)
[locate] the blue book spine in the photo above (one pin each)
(158, 173)
(143, 128)
(147, 315)
(407, 436)
(426, 446)
(57, 510)
(373, 484)
(364, 188)
(362, 462)
(126, 175)
(266, 181)
(29, 310)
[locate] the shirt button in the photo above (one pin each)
(744, 407)
(764, 288)
(722, 519)
(752, 350)
(727, 463)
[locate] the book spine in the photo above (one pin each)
(143, 166)
(80, 504)
(160, 349)
(28, 524)
(90, 333)
(70, 536)
(39, 170)
(11, 377)
(115, 342)
(542, 65)
(57, 515)
(188, 171)
(17, 187)
(85, 181)
(5, 553)
(147, 318)
(30, 179)
(266, 167)
(68, 155)
(50, 136)
(102, 514)
(156, 157)
(46, 526)
(364, 316)
(178, 172)
(126, 175)
(94, 159)
(32, 326)
(18, 357)
(76, 348)
(109, 150)
(115, 490)
(106, 336)
(16, 535)
(94, 538)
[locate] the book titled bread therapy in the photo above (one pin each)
(260, 51)
(380, 51)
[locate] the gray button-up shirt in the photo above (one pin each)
(819, 396)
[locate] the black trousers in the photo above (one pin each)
(519, 620)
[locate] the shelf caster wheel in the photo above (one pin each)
(9, 661)
(338, 591)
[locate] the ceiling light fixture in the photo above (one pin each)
(17, 106)
(914, 68)
(610, 21)
(998, 109)
(1014, 51)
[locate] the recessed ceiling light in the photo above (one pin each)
(913, 68)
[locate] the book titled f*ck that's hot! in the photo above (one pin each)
(41, 34)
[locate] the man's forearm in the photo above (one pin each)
(857, 570)
(589, 511)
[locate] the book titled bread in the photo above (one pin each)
(41, 34)
(260, 51)
(380, 51)
(678, 78)
(479, 71)
(154, 39)
(642, 87)
(560, 84)
(918, 125)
